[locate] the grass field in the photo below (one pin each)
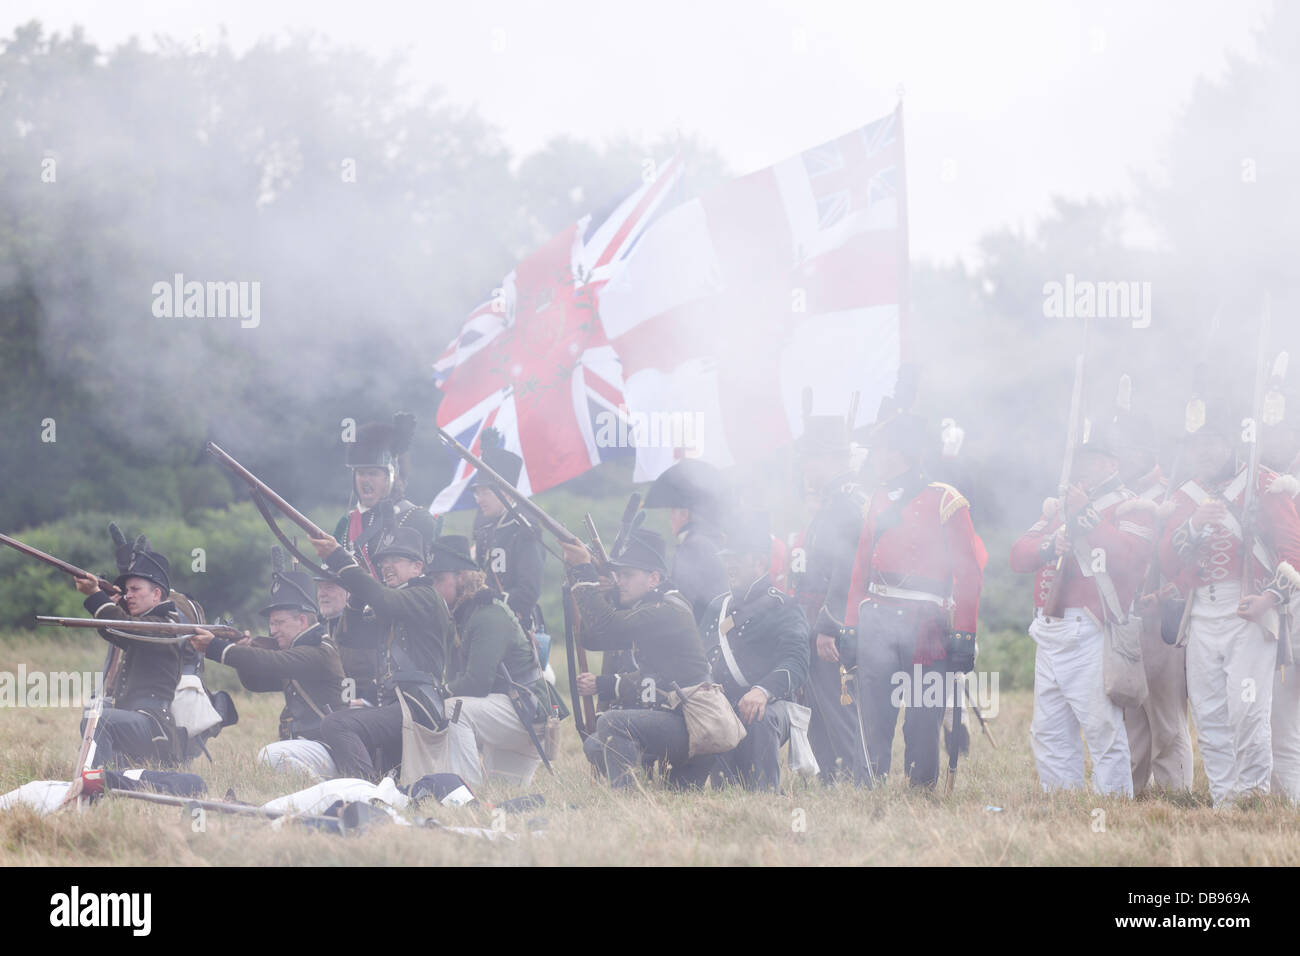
(584, 823)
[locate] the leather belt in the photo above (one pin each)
(906, 594)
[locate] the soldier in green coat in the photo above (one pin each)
(493, 657)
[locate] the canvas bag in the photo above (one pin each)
(802, 759)
(1123, 675)
(712, 726)
(424, 751)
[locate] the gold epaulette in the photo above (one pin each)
(951, 502)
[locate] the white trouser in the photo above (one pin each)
(1069, 701)
(305, 756)
(1158, 739)
(507, 750)
(1230, 684)
(1285, 724)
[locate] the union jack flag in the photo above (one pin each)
(533, 361)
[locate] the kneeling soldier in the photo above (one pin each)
(416, 626)
(305, 665)
(658, 627)
(493, 653)
(137, 727)
(757, 640)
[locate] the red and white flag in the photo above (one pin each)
(534, 362)
(792, 276)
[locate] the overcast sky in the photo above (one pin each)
(1005, 103)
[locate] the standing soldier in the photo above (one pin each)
(416, 626)
(138, 727)
(1160, 745)
(496, 660)
(1098, 521)
(511, 554)
(912, 602)
(1230, 635)
(692, 491)
(304, 665)
(657, 626)
(836, 499)
(756, 639)
(380, 470)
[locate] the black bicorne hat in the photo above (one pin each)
(644, 550)
(692, 484)
(405, 542)
(292, 591)
(505, 463)
(451, 553)
(149, 565)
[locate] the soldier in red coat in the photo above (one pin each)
(1097, 530)
(911, 602)
(1231, 633)
(1280, 450)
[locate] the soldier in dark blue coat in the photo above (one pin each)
(756, 639)
(692, 491)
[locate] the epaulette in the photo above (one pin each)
(1136, 504)
(951, 502)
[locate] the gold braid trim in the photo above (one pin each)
(951, 502)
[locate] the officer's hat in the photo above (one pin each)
(1100, 438)
(382, 445)
(451, 553)
(505, 463)
(149, 565)
(1212, 416)
(644, 550)
(899, 430)
(750, 533)
(291, 591)
(690, 483)
(405, 542)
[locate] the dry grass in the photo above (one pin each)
(583, 823)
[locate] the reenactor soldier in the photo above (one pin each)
(910, 602)
(756, 641)
(836, 498)
(510, 553)
(1231, 635)
(1160, 745)
(416, 627)
(637, 614)
(380, 467)
(355, 632)
(1098, 521)
(1280, 450)
(138, 727)
(692, 491)
(193, 707)
(494, 659)
(304, 665)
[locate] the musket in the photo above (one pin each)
(104, 584)
(630, 511)
(584, 711)
(264, 496)
(1052, 606)
(85, 756)
(520, 499)
(597, 546)
(512, 692)
(158, 632)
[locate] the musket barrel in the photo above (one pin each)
(520, 499)
(54, 562)
(138, 626)
(258, 485)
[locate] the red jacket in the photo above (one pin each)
(1122, 528)
(933, 548)
(1214, 554)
